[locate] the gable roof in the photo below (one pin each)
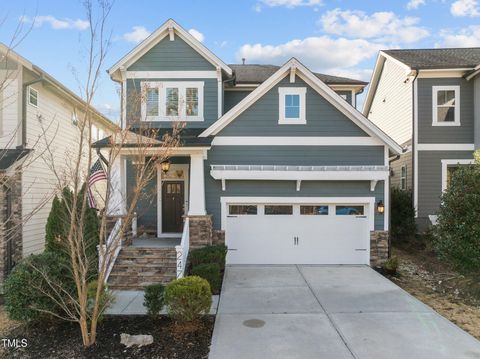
(169, 26)
(294, 67)
(437, 58)
(256, 74)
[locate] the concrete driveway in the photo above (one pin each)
(328, 312)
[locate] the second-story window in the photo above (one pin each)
(403, 178)
(170, 101)
(33, 97)
(292, 105)
(446, 106)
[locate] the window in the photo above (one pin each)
(242, 209)
(349, 210)
(170, 101)
(33, 97)
(446, 105)
(74, 118)
(314, 210)
(101, 134)
(276, 210)
(94, 133)
(403, 178)
(448, 169)
(292, 105)
(152, 102)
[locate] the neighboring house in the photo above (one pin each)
(275, 160)
(428, 101)
(36, 112)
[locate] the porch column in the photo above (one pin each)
(117, 200)
(196, 205)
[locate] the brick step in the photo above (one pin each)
(145, 265)
(143, 271)
(131, 260)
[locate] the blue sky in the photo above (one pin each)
(338, 37)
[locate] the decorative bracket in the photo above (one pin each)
(224, 184)
(299, 182)
(373, 184)
(171, 33)
(293, 69)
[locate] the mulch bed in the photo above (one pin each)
(63, 340)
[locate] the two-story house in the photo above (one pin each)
(275, 161)
(428, 101)
(39, 131)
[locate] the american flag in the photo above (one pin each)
(97, 173)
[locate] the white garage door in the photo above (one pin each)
(291, 233)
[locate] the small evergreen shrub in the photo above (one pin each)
(188, 298)
(210, 254)
(154, 299)
(27, 291)
(211, 272)
(391, 265)
(457, 233)
(403, 227)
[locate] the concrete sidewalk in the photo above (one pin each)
(130, 302)
(328, 312)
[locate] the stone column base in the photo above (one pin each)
(378, 247)
(201, 233)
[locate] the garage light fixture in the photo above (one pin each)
(380, 207)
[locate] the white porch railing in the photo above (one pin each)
(114, 242)
(182, 250)
(281, 168)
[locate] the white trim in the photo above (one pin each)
(415, 147)
(294, 141)
(160, 181)
(445, 147)
(368, 201)
(282, 92)
(442, 73)
(181, 86)
(313, 81)
(446, 163)
(197, 186)
(386, 202)
(354, 99)
(435, 90)
(157, 36)
(123, 122)
(219, 93)
(171, 74)
(398, 62)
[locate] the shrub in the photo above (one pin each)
(211, 272)
(154, 299)
(403, 226)
(206, 255)
(27, 292)
(457, 233)
(188, 298)
(391, 265)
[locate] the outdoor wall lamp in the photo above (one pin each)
(380, 207)
(165, 165)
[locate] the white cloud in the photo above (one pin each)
(465, 8)
(414, 4)
(467, 37)
(138, 34)
(383, 26)
(55, 23)
(197, 34)
(318, 53)
(290, 4)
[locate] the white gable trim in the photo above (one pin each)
(313, 81)
(159, 35)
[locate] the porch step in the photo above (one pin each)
(137, 267)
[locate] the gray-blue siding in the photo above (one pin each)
(291, 155)
(174, 55)
(210, 107)
(261, 118)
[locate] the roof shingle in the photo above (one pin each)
(437, 58)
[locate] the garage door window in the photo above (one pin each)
(242, 210)
(314, 210)
(349, 210)
(276, 210)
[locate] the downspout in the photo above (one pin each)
(413, 132)
(24, 108)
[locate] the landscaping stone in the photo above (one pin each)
(138, 340)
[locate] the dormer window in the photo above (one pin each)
(446, 106)
(292, 105)
(173, 101)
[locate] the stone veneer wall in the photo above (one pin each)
(378, 247)
(14, 234)
(201, 232)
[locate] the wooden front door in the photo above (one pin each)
(172, 206)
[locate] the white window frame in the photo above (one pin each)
(435, 90)
(30, 89)
(450, 163)
(282, 92)
(162, 94)
(403, 178)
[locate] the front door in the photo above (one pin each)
(172, 206)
